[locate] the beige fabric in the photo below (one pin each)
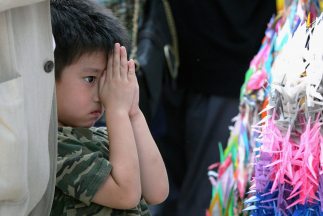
(26, 96)
(8, 4)
(13, 185)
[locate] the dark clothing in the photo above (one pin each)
(217, 40)
(190, 145)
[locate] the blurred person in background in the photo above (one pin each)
(217, 40)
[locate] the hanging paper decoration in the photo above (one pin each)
(288, 167)
(273, 164)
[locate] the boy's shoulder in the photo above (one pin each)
(82, 140)
(82, 134)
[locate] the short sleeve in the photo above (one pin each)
(81, 169)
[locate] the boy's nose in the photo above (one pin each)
(96, 97)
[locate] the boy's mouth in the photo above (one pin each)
(96, 113)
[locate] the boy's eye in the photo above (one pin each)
(89, 79)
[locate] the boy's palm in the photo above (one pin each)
(134, 110)
(118, 83)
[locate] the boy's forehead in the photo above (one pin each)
(93, 62)
(87, 64)
(94, 54)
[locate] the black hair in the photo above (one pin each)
(83, 26)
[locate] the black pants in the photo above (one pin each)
(188, 129)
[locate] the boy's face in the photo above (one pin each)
(78, 103)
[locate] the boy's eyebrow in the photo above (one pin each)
(94, 70)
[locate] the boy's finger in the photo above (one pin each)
(131, 69)
(110, 66)
(123, 63)
(102, 80)
(116, 61)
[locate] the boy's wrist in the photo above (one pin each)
(115, 113)
(135, 115)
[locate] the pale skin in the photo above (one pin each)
(138, 169)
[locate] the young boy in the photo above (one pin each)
(100, 172)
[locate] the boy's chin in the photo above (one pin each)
(89, 124)
(78, 125)
(86, 125)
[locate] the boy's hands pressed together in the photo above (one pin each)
(138, 168)
(117, 89)
(134, 110)
(118, 83)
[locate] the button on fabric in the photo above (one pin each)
(48, 66)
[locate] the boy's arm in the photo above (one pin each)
(154, 180)
(122, 188)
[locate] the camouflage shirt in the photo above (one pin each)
(82, 166)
